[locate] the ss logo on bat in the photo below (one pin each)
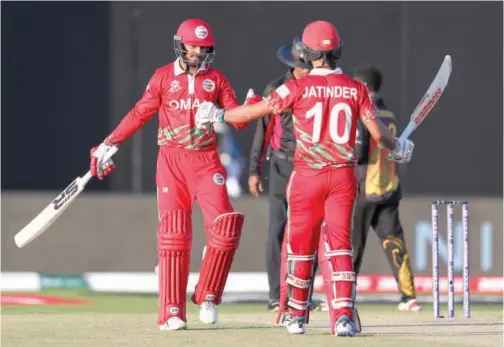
(65, 195)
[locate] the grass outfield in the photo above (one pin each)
(127, 321)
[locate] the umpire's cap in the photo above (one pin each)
(291, 54)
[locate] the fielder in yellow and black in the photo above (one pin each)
(380, 193)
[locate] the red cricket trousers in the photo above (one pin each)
(184, 176)
(313, 198)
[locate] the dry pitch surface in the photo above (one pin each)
(240, 325)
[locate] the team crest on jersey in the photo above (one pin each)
(209, 85)
(174, 86)
(201, 32)
(219, 179)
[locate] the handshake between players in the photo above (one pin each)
(326, 105)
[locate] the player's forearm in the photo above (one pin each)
(129, 125)
(247, 113)
(380, 133)
(386, 138)
(239, 126)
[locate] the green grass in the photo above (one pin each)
(130, 321)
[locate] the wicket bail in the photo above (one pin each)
(435, 257)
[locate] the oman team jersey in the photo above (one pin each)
(325, 105)
(177, 95)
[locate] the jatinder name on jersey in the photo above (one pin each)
(330, 92)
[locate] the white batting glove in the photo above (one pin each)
(403, 151)
(208, 113)
(101, 163)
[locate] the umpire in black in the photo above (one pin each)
(274, 139)
(380, 194)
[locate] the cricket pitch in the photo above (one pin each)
(389, 329)
(112, 320)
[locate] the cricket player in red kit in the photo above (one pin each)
(188, 169)
(322, 189)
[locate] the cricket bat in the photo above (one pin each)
(56, 208)
(430, 98)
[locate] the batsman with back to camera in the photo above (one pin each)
(188, 169)
(380, 193)
(323, 187)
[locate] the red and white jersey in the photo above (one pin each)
(326, 105)
(177, 95)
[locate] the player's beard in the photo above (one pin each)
(192, 59)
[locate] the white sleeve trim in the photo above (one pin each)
(283, 91)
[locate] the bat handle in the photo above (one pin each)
(407, 132)
(85, 179)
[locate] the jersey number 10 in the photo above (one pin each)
(338, 110)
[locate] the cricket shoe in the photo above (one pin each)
(295, 325)
(174, 323)
(345, 327)
(208, 312)
(410, 305)
(286, 319)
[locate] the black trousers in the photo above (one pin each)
(280, 170)
(384, 218)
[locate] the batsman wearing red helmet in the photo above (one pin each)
(188, 169)
(322, 189)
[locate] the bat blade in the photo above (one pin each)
(52, 212)
(430, 98)
(56, 208)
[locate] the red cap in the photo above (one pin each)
(196, 32)
(321, 36)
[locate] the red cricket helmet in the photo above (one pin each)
(321, 39)
(195, 32)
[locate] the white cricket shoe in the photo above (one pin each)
(208, 312)
(174, 323)
(295, 325)
(345, 327)
(285, 321)
(410, 305)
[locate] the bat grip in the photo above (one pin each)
(407, 132)
(85, 179)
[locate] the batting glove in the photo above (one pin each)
(252, 98)
(403, 151)
(208, 113)
(101, 165)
